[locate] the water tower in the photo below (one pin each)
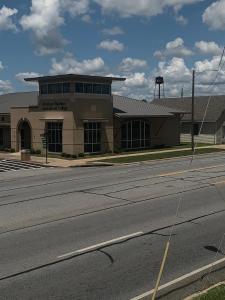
(159, 81)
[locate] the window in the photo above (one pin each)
(44, 89)
(54, 136)
(79, 87)
(196, 129)
(51, 88)
(92, 137)
(106, 89)
(58, 88)
(1, 137)
(97, 88)
(55, 88)
(66, 87)
(88, 88)
(135, 134)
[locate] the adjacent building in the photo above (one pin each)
(80, 114)
(210, 109)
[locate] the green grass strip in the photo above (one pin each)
(154, 156)
(217, 293)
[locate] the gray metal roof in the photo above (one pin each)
(215, 109)
(127, 107)
(17, 99)
(123, 106)
(75, 77)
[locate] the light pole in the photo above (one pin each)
(193, 112)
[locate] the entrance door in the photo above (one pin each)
(25, 135)
(223, 134)
(92, 137)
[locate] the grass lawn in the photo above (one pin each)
(217, 293)
(153, 156)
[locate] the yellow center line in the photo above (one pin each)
(218, 182)
(190, 170)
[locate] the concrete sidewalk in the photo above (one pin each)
(65, 163)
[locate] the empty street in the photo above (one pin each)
(100, 233)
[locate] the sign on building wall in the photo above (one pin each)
(54, 105)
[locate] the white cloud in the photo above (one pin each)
(70, 65)
(206, 74)
(174, 48)
(86, 18)
(113, 31)
(5, 87)
(146, 8)
(113, 45)
(20, 77)
(6, 15)
(136, 80)
(175, 70)
(214, 15)
(138, 85)
(1, 66)
(129, 64)
(181, 20)
(45, 19)
(208, 48)
(177, 76)
(75, 7)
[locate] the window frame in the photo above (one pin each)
(131, 141)
(92, 137)
(55, 136)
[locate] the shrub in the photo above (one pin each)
(74, 156)
(81, 155)
(117, 150)
(12, 150)
(38, 152)
(63, 154)
(32, 151)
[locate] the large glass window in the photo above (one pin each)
(88, 88)
(196, 129)
(44, 89)
(54, 130)
(92, 137)
(79, 87)
(97, 88)
(55, 88)
(93, 88)
(66, 87)
(135, 134)
(52, 88)
(1, 137)
(106, 89)
(59, 88)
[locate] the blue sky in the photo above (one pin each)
(136, 39)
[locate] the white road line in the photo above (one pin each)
(101, 244)
(179, 279)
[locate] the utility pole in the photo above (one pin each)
(46, 145)
(193, 112)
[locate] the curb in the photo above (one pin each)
(164, 159)
(190, 283)
(93, 164)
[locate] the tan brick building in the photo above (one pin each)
(79, 114)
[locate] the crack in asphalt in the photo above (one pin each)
(151, 232)
(127, 202)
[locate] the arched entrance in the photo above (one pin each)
(24, 135)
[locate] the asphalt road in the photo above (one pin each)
(100, 233)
